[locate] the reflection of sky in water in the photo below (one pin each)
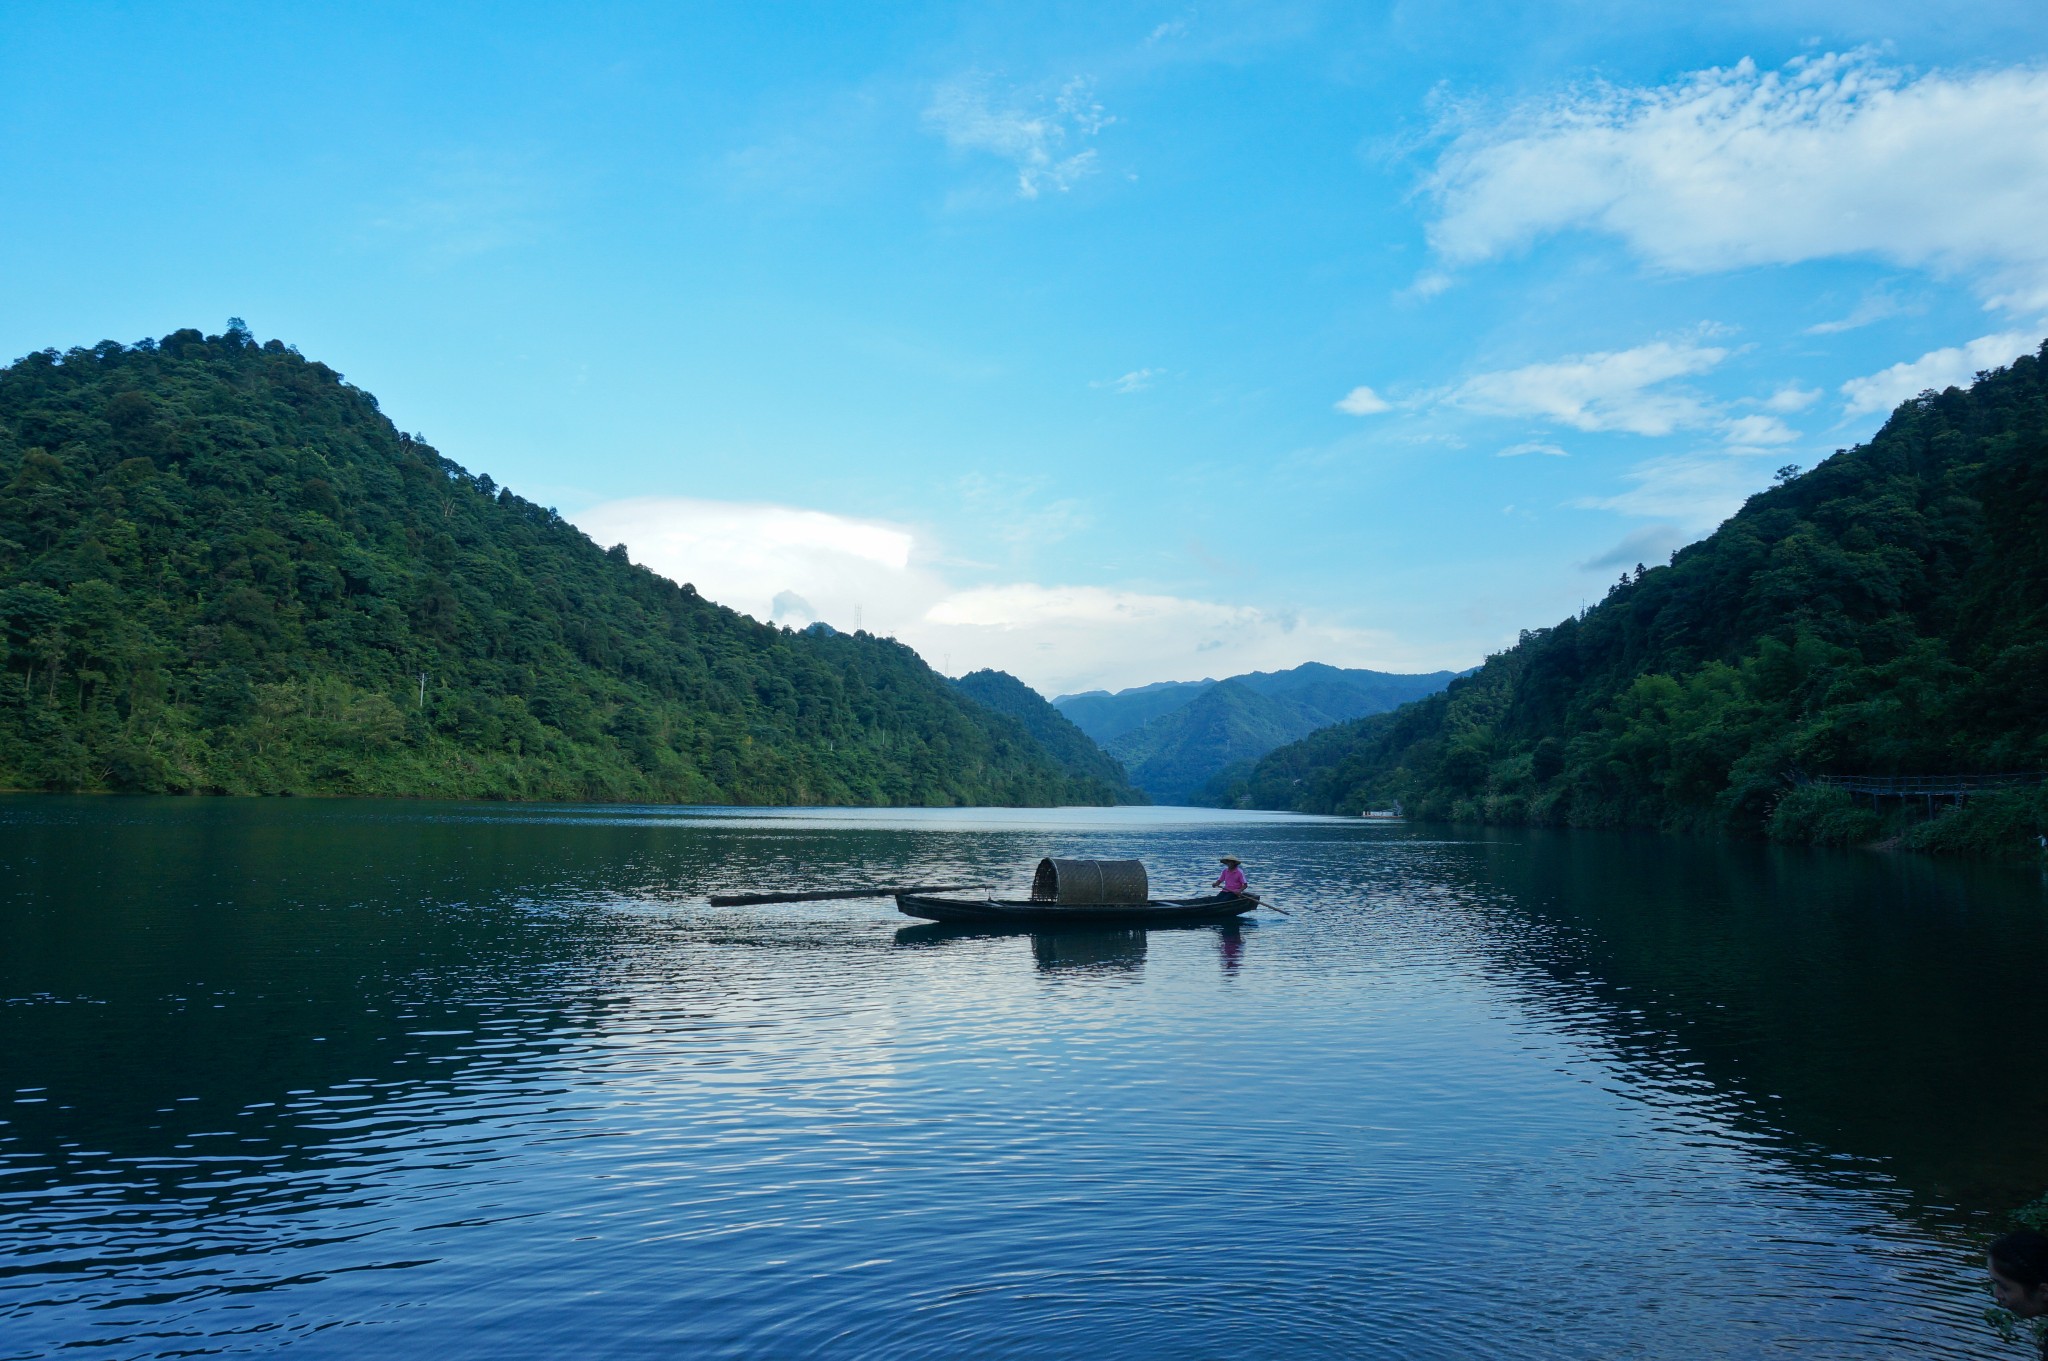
(407, 1078)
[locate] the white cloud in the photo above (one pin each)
(1754, 432)
(1790, 398)
(792, 565)
(1038, 137)
(1617, 390)
(1024, 605)
(1363, 401)
(1694, 491)
(1532, 447)
(764, 560)
(1875, 307)
(1936, 369)
(1068, 638)
(1651, 545)
(1727, 168)
(1137, 380)
(741, 531)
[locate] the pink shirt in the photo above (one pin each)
(1231, 880)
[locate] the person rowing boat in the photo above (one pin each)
(1232, 879)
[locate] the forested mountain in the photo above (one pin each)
(1092, 770)
(1336, 693)
(1885, 613)
(1175, 756)
(1106, 717)
(222, 568)
(1177, 737)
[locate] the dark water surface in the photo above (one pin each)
(460, 1081)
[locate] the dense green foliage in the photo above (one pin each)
(1174, 756)
(1095, 773)
(1180, 738)
(1885, 613)
(222, 568)
(1332, 694)
(1106, 717)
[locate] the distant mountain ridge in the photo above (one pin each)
(1095, 774)
(1177, 737)
(1106, 717)
(1224, 728)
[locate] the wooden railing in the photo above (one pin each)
(1927, 786)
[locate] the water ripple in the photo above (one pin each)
(498, 1082)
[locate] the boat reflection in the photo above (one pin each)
(1100, 951)
(1088, 951)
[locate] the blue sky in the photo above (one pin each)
(1105, 344)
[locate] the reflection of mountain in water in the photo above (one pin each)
(1847, 1005)
(245, 984)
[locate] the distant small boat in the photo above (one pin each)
(1384, 814)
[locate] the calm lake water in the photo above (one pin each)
(397, 1079)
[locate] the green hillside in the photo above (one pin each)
(1106, 717)
(1091, 769)
(1178, 739)
(223, 569)
(1885, 613)
(1175, 756)
(1331, 694)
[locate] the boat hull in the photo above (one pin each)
(1040, 916)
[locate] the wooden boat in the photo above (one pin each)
(1040, 915)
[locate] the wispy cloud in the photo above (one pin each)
(1638, 391)
(1042, 137)
(1628, 390)
(1695, 491)
(463, 204)
(1363, 401)
(1651, 545)
(1937, 369)
(1137, 380)
(1791, 398)
(1757, 432)
(1874, 307)
(1011, 509)
(1635, 391)
(1830, 157)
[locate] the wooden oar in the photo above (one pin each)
(817, 895)
(1263, 903)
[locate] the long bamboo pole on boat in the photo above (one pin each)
(818, 895)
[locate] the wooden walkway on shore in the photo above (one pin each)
(1928, 787)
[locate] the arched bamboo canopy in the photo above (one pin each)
(1090, 881)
